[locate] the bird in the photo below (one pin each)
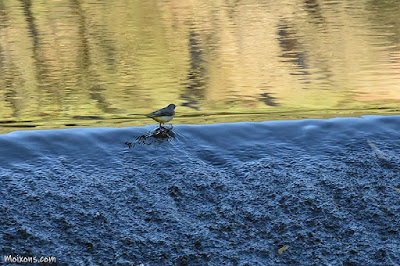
(163, 115)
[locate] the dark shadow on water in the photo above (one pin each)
(159, 135)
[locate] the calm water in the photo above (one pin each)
(99, 63)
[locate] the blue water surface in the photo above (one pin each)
(310, 192)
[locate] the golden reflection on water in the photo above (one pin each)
(106, 63)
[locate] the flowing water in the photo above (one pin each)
(106, 63)
(253, 192)
(326, 191)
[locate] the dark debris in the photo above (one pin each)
(159, 135)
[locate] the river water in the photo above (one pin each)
(306, 192)
(227, 186)
(106, 63)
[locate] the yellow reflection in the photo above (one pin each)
(220, 60)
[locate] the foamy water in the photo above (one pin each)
(283, 192)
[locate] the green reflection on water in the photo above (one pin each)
(107, 63)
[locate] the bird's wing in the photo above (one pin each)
(156, 113)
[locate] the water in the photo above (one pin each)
(285, 192)
(106, 63)
(232, 193)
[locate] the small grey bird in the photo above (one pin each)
(163, 115)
